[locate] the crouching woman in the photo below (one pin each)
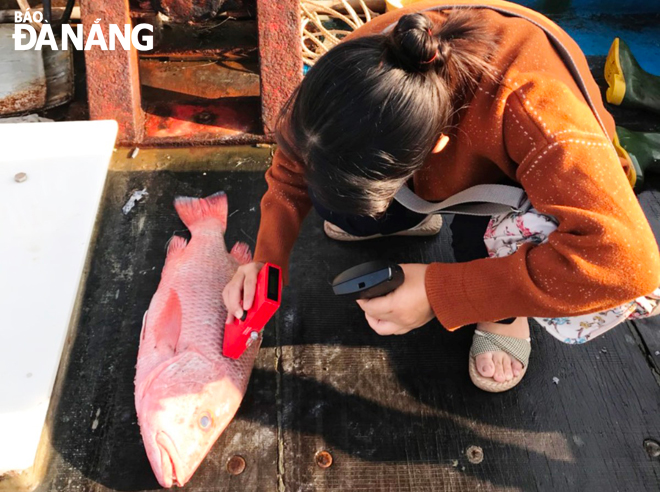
(442, 100)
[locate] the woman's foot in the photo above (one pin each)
(500, 366)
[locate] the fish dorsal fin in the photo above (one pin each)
(167, 325)
(241, 252)
(193, 210)
(175, 248)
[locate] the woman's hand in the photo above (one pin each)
(239, 292)
(402, 310)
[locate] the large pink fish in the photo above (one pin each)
(186, 391)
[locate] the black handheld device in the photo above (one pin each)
(368, 280)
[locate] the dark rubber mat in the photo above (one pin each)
(395, 413)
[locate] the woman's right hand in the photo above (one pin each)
(239, 292)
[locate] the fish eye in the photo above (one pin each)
(205, 421)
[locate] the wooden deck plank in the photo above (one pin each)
(649, 329)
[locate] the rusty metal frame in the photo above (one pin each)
(280, 55)
(113, 80)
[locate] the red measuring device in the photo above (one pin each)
(241, 333)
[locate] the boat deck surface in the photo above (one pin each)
(395, 413)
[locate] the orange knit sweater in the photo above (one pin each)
(533, 126)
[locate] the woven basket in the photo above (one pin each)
(324, 27)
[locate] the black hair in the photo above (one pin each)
(368, 113)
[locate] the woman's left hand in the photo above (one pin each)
(402, 310)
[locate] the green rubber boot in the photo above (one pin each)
(643, 149)
(629, 85)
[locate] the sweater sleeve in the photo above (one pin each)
(603, 252)
(283, 208)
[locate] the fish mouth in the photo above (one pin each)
(170, 464)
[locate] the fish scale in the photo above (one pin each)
(187, 392)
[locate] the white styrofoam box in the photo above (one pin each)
(45, 227)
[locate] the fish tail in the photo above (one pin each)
(193, 210)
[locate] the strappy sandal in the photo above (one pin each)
(430, 226)
(518, 348)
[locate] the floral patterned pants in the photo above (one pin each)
(505, 232)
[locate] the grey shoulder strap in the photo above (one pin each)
(481, 199)
(490, 199)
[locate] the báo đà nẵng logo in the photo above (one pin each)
(26, 37)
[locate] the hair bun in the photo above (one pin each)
(413, 44)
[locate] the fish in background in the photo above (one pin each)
(186, 391)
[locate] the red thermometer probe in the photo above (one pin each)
(240, 334)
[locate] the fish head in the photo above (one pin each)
(182, 413)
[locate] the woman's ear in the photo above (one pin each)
(441, 143)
